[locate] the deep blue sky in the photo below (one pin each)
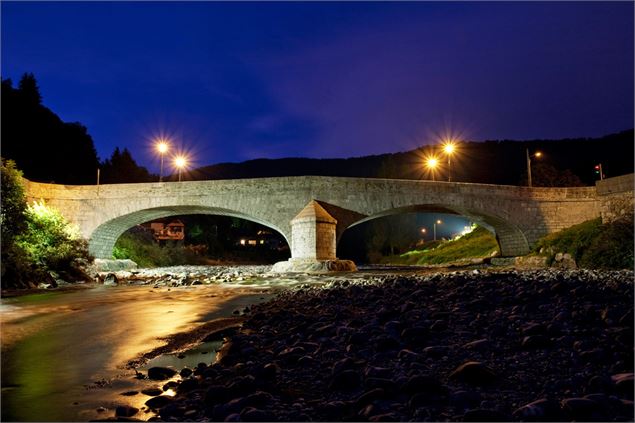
(235, 81)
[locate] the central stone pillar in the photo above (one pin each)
(313, 234)
(313, 243)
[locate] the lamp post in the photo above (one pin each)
(431, 164)
(529, 156)
(162, 148)
(180, 162)
(434, 225)
(448, 149)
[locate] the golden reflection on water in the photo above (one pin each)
(57, 345)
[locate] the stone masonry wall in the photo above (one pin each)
(518, 215)
(616, 197)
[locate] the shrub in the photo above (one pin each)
(13, 203)
(49, 241)
(612, 248)
(574, 240)
(592, 244)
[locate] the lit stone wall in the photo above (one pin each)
(518, 215)
(616, 197)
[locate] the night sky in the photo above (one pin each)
(235, 81)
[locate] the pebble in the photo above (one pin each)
(497, 345)
(160, 373)
(475, 373)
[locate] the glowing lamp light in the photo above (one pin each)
(537, 154)
(448, 148)
(162, 147)
(432, 162)
(180, 162)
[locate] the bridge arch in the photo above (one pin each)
(103, 239)
(511, 240)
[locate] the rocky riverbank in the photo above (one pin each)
(474, 346)
(174, 276)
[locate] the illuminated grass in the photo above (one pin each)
(592, 244)
(477, 244)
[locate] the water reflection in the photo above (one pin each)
(59, 350)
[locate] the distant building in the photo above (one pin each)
(170, 231)
(262, 239)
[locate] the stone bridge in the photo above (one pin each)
(312, 212)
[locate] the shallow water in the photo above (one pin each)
(64, 353)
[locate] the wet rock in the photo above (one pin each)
(216, 394)
(475, 373)
(129, 393)
(152, 392)
(125, 411)
(185, 372)
(111, 280)
(160, 373)
(158, 402)
(187, 385)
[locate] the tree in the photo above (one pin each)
(122, 168)
(13, 203)
(545, 175)
(44, 147)
(29, 88)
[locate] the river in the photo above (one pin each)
(64, 354)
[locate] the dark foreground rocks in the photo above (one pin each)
(468, 346)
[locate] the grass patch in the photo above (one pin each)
(592, 244)
(477, 244)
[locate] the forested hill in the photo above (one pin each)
(566, 162)
(43, 146)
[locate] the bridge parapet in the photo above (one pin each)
(517, 215)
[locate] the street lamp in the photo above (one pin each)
(449, 148)
(434, 225)
(180, 162)
(431, 164)
(537, 154)
(162, 147)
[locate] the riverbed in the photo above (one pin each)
(65, 354)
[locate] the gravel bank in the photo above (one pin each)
(466, 346)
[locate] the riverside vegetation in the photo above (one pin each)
(39, 247)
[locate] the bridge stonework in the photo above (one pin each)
(312, 212)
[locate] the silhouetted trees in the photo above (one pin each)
(44, 147)
(122, 168)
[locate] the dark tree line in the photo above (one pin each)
(47, 149)
(44, 147)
